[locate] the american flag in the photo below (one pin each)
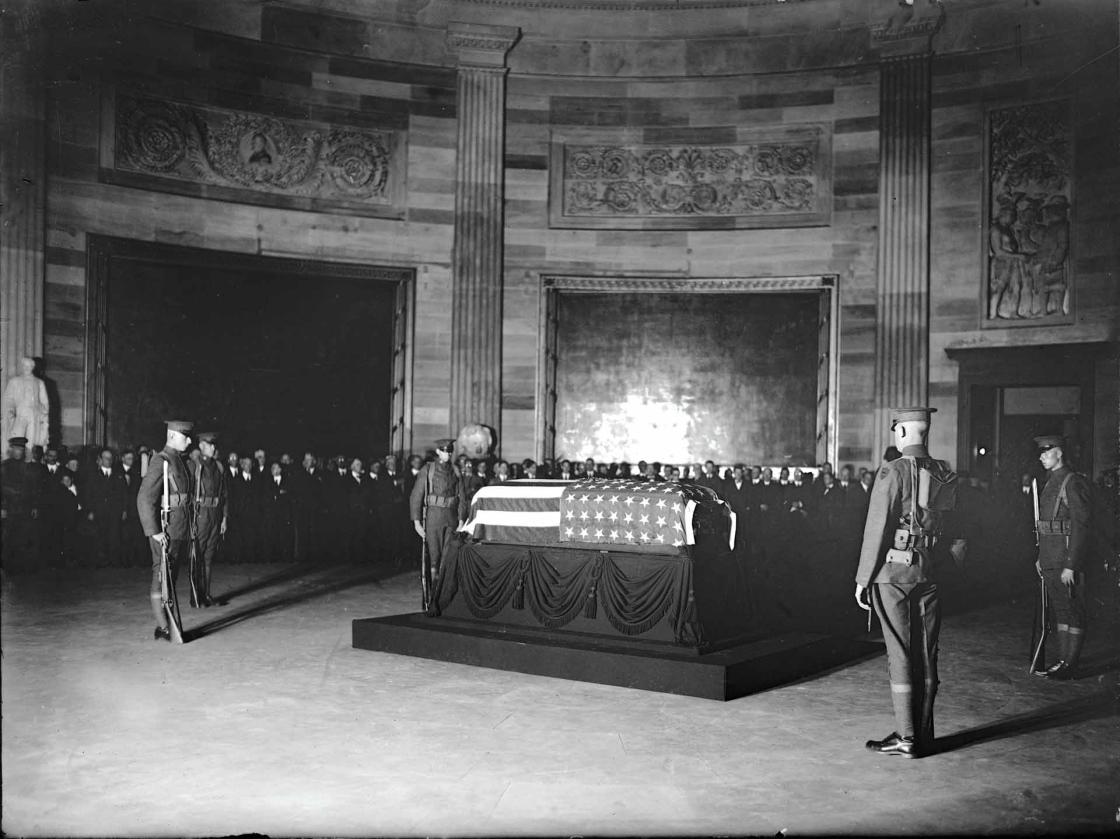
(624, 511)
(517, 512)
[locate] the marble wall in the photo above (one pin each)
(672, 73)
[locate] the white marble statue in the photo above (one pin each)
(26, 408)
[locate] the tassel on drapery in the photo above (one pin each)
(518, 601)
(590, 610)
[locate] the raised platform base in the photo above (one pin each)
(726, 674)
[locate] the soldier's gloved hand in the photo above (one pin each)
(958, 549)
(419, 528)
(223, 528)
(1068, 576)
(860, 599)
(160, 538)
(1038, 567)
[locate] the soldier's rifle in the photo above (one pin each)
(425, 566)
(166, 584)
(1040, 625)
(194, 560)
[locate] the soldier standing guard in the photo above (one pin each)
(896, 575)
(438, 504)
(21, 489)
(148, 500)
(210, 500)
(1063, 534)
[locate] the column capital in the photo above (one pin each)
(908, 31)
(481, 45)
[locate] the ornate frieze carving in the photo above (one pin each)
(1030, 165)
(360, 169)
(779, 178)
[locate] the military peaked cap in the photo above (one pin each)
(207, 436)
(920, 414)
(17, 441)
(444, 443)
(1049, 441)
(182, 426)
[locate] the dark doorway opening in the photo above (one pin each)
(280, 354)
(1009, 395)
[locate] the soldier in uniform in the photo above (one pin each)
(210, 503)
(896, 576)
(21, 489)
(438, 504)
(178, 531)
(1064, 507)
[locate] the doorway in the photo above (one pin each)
(281, 354)
(1009, 396)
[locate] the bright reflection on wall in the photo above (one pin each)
(679, 378)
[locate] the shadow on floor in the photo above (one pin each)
(1083, 709)
(301, 569)
(331, 581)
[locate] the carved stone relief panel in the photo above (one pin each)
(1029, 201)
(253, 157)
(777, 177)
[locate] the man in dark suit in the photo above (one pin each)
(132, 535)
(737, 493)
(710, 478)
(243, 508)
(335, 516)
(54, 502)
(390, 512)
(275, 500)
(104, 497)
(358, 512)
(307, 509)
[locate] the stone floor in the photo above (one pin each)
(270, 722)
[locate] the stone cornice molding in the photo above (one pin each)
(909, 31)
(481, 45)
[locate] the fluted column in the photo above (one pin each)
(476, 256)
(22, 188)
(902, 323)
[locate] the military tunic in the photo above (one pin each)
(178, 530)
(209, 501)
(439, 500)
(905, 596)
(1063, 538)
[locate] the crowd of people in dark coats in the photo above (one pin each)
(353, 509)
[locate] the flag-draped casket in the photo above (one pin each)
(622, 558)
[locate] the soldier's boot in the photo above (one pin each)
(207, 600)
(925, 729)
(1060, 668)
(1076, 637)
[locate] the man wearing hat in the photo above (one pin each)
(209, 502)
(21, 490)
(148, 500)
(896, 576)
(438, 504)
(1063, 535)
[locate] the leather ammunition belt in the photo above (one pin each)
(207, 502)
(1054, 527)
(440, 500)
(920, 540)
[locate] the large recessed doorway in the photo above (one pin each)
(280, 354)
